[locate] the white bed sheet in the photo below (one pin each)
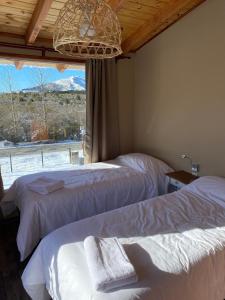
(89, 190)
(176, 243)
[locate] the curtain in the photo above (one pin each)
(102, 120)
(1, 186)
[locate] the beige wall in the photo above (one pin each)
(126, 93)
(179, 103)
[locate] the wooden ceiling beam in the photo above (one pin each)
(175, 10)
(39, 58)
(19, 64)
(37, 19)
(13, 38)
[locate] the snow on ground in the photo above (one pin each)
(32, 163)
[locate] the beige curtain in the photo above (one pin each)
(102, 131)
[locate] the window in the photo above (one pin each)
(42, 120)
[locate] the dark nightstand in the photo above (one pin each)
(179, 179)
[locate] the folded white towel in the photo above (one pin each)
(44, 185)
(108, 264)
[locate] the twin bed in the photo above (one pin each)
(87, 191)
(176, 243)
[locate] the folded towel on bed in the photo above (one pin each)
(108, 264)
(45, 185)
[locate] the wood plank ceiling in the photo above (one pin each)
(30, 23)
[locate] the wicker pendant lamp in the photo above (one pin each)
(87, 29)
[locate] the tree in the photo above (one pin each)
(41, 129)
(8, 83)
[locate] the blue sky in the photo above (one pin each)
(26, 77)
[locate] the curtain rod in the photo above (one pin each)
(123, 57)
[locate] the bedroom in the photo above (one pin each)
(170, 96)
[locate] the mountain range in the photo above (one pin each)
(72, 83)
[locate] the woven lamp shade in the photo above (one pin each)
(87, 29)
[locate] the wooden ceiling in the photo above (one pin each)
(31, 22)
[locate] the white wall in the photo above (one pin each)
(179, 103)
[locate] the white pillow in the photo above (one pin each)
(150, 165)
(210, 187)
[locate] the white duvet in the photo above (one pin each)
(89, 190)
(176, 243)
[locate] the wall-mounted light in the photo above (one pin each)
(194, 167)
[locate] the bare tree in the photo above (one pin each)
(8, 83)
(41, 81)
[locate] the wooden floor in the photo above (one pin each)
(10, 267)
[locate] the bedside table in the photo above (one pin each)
(179, 179)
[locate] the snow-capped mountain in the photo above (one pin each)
(73, 83)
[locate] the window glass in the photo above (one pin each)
(42, 120)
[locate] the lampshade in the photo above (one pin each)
(87, 29)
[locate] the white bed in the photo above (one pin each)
(176, 243)
(89, 190)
